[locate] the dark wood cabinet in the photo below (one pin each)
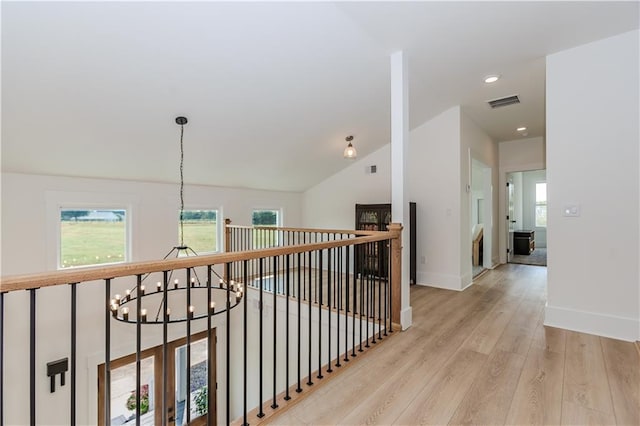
(374, 260)
(524, 242)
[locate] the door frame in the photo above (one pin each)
(157, 352)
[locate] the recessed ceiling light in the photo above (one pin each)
(521, 129)
(491, 78)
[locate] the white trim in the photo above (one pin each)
(444, 281)
(220, 237)
(406, 317)
(593, 323)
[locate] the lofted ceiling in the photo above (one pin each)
(270, 89)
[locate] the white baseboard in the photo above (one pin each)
(445, 281)
(406, 318)
(593, 323)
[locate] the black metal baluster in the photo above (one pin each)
(319, 287)
(228, 347)
(1, 358)
(138, 346)
(165, 349)
(32, 357)
(299, 389)
(356, 259)
(339, 297)
(309, 382)
(210, 366)
(72, 366)
(368, 295)
(329, 287)
(386, 297)
(261, 280)
(304, 287)
(244, 347)
(346, 304)
(107, 352)
(275, 329)
(380, 280)
(287, 283)
(390, 291)
(188, 401)
(361, 303)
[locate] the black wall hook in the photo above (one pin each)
(57, 367)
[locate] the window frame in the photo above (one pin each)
(278, 224)
(537, 204)
(278, 211)
(92, 206)
(219, 229)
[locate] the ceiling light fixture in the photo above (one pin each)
(521, 129)
(350, 152)
(491, 78)
(228, 293)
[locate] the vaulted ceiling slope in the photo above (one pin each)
(270, 89)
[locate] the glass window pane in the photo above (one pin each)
(265, 218)
(123, 393)
(541, 192)
(92, 237)
(198, 391)
(541, 216)
(265, 238)
(200, 230)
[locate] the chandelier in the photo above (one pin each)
(171, 295)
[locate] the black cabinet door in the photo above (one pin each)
(372, 259)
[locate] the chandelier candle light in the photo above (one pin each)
(230, 292)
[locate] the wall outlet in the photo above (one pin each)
(423, 260)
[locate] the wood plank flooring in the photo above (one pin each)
(482, 356)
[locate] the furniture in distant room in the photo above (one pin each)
(376, 217)
(477, 239)
(524, 242)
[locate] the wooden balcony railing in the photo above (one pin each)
(284, 303)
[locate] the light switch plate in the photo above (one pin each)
(571, 210)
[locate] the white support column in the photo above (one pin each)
(399, 157)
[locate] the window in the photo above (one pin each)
(263, 238)
(92, 237)
(541, 205)
(200, 230)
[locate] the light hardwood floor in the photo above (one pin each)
(482, 356)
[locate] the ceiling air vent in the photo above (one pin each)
(509, 100)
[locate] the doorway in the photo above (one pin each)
(481, 194)
(526, 215)
(123, 384)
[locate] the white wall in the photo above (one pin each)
(437, 184)
(30, 210)
(331, 203)
(514, 156)
(29, 214)
(592, 161)
(434, 184)
(476, 144)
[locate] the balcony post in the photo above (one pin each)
(395, 229)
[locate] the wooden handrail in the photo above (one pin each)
(311, 230)
(48, 279)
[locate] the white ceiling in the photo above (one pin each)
(270, 89)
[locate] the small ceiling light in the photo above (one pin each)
(491, 78)
(350, 152)
(521, 129)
